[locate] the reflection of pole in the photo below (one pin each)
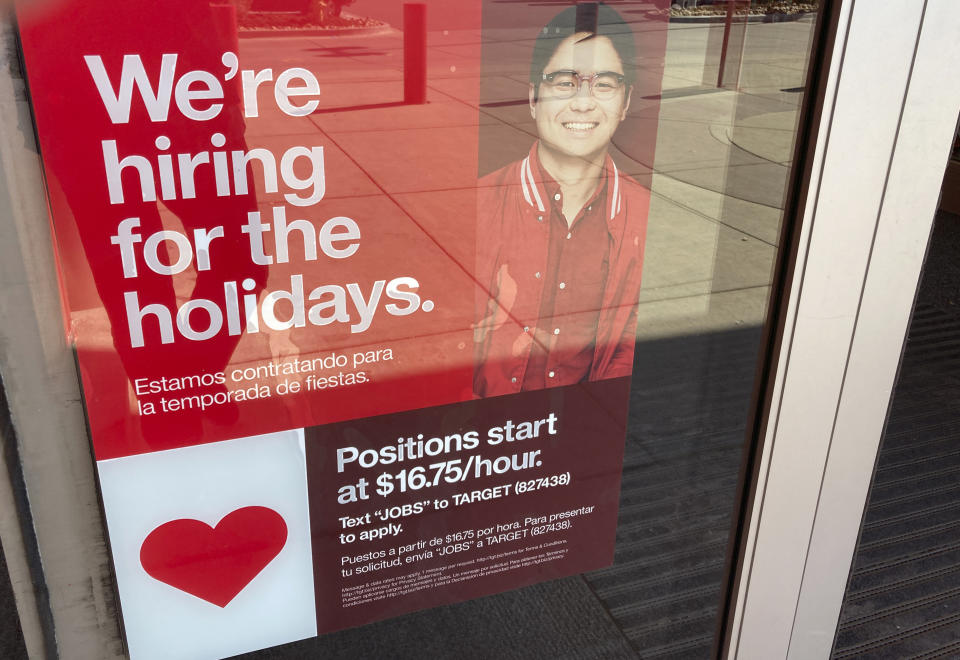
(726, 41)
(414, 52)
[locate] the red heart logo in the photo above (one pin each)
(214, 563)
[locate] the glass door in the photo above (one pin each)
(407, 330)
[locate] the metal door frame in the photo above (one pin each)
(889, 111)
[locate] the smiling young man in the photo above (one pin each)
(561, 232)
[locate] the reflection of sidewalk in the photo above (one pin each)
(722, 162)
(721, 158)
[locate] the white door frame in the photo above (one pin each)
(888, 120)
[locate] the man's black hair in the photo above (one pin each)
(596, 18)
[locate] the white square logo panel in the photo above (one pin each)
(211, 546)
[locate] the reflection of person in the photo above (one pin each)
(561, 232)
(199, 33)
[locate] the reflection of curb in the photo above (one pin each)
(260, 33)
(753, 18)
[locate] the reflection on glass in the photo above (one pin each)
(268, 217)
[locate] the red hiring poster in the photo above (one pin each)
(353, 297)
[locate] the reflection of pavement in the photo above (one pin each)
(722, 162)
(722, 156)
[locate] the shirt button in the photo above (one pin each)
(539, 218)
(557, 197)
(556, 331)
(550, 374)
(537, 274)
(563, 285)
(513, 380)
(526, 328)
(569, 235)
(590, 208)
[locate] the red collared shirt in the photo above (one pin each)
(565, 333)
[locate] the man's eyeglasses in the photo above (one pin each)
(565, 84)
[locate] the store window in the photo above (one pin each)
(417, 329)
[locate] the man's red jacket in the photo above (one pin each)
(512, 240)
